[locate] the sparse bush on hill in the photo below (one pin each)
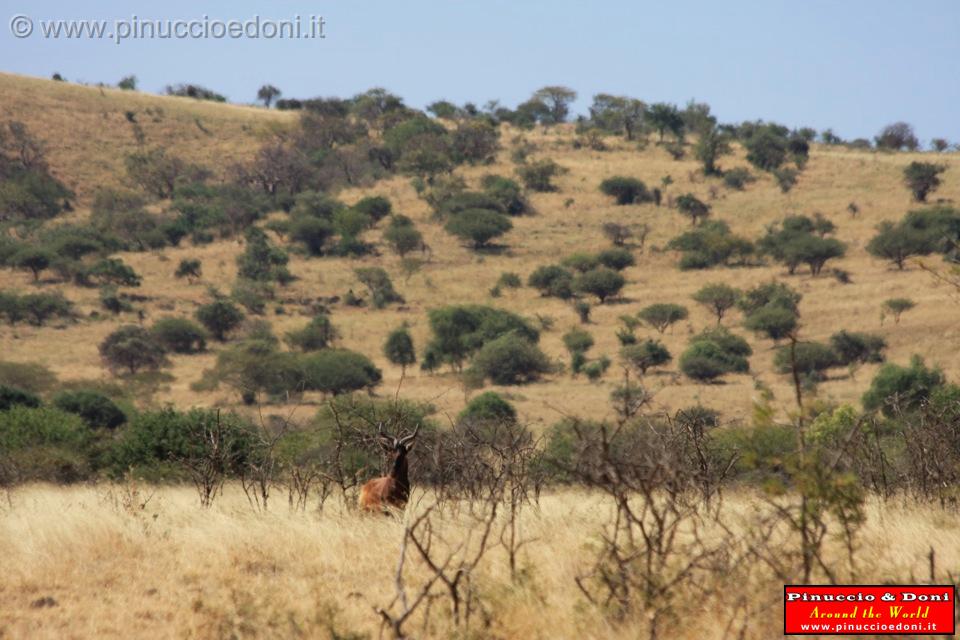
(338, 371)
(553, 281)
(899, 242)
(786, 178)
(402, 236)
(506, 193)
(578, 342)
(809, 359)
(922, 178)
(662, 315)
(399, 348)
(318, 334)
(189, 268)
(897, 136)
(36, 308)
(796, 242)
(474, 142)
(617, 259)
(376, 207)
(692, 207)
(95, 409)
(132, 348)
(898, 306)
(313, 233)
(12, 396)
(111, 271)
(261, 260)
(645, 355)
(626, 190)
(854, 348)
(267, 94)
(718, 298)
(896, 388)
(157, 172)
(714, 353)
(601, 282)
(33, 259)
(767, 147)
(488, 406)
(380, 286)
(510, 359)
(738, 178)
(459, 331)
(774, 321)
(665, 117)
(179, 335)
(478, 226)
(711, 145)
(709, 245)
(538, 176)
(220, 317)
(194, 91)
(617, 114)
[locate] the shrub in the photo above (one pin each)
(786, 178)
(189, 268)
(11, 396)
(692, 207)
(261, 260)
(32, 259)
(553, 281)
(538, 176)
(398, 348)
(617, 233)
(44, 444)
(132, 348)
(578, 342)
(220, 317)
(904, 388)
(897, 136)
(922, 178)
(460, 331)
(318, 334)
(581, 262)
(506, 193)
(478, 226)
(313, 233)
(626, 190)
(770, 294)
(179, 335)
(773, 321)
(96, 409)
(511, 359)
(898, 243)
(488, 406)
(601, 282)
(767, 148)
(714, 353)
(738, 178)
(857, 348)
(31, 377)
(617, 259)
(252, 295)
(718, 298)
(338, 371)
(375, 207)
(811, 358)
(661, 316)
(509, 280)
(402, 236)
(897, 306)
(645, 355)
(709, 245)
(379, 284)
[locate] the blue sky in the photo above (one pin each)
(853, 65)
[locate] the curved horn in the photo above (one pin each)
(410, 437)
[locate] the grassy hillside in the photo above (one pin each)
(88, 133)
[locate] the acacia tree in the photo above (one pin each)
(557, 100)
(267, 94)
(665, 117)
(718, 297)
(897, 136)
(399, 349)
(132, 348)
(922, 178)
(692, 207)
(616, 113)
(711, 145)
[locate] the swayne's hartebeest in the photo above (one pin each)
(393, 489)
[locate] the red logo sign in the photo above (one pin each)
(869, 610)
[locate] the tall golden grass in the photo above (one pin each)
(120, 561)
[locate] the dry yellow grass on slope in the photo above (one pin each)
(88, 562)
(566, 221)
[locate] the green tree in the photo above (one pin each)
(460, 330)
(318, 334)
(767, 148)
(922, 178)
(645, 355)
(511, 359)
(617, 113)
(626, 190)
(538, 176)
(189, 268)
(398, 348)
(898, 306)
(179, 335)
(718, 298)
(95, 409)
(601, 282)
(338, 371)
(902, 388)
(32, 259)
(773, 321)
(898, 243)
(665, 117)
(553, 281)
(710, 147)
(617, 259)
(578, 342)
(220, 317)
(312, 232)
(557, 100)
(132, 348)
(261, 260)
(854, 348)
(660, 316)
(692, 207)
(811, 359)
(714, 353)
(478, 226)
(488, 406)
(267, 94)
(402, 236)
(897, 136)
(379, 285)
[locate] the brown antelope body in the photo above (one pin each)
(393, 489)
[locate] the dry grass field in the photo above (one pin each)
(87, 135)
(89, 562)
